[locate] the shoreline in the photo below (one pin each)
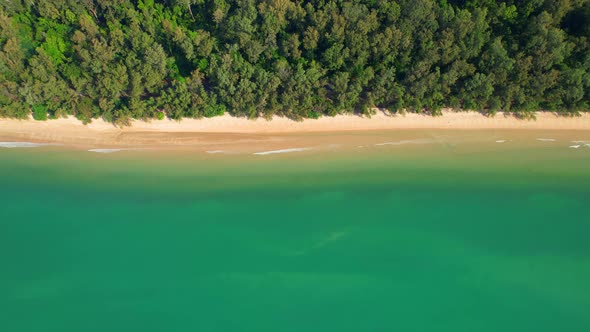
(226, 129)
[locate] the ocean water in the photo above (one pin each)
(397, 237)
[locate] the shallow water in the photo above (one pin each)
(455, 236)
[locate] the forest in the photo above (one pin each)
(148, 59)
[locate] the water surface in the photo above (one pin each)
(454, 236)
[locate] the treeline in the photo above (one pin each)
(123, 59)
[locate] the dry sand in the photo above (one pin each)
(223, 130)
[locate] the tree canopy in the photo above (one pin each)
(141, 59)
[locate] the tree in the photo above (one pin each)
(123, 59)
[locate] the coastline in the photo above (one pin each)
(227, 129)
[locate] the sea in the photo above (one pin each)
(444, 231)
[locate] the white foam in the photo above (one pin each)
(414, 141)
(581, 142)
(12, 145)
(106, 150)
(215, 151)
(264, 153)
(546, 139)
(501, 141)
(575, 146)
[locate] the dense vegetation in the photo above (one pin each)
(123, 59)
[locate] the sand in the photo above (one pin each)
(223, 130)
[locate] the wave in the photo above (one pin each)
(577, 146)
(546, 139)
(501, 141)
(215, 151)
(107, 150)
(264, 153)
(12, 145)
(413, 141)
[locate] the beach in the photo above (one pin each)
(228, 130)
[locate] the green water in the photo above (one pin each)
(435, 241)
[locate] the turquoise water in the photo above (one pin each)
(489, 241)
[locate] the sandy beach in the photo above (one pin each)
(223, 130)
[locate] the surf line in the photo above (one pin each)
(413, 141)
(111, 150)
(264, 153)
(13, 145)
